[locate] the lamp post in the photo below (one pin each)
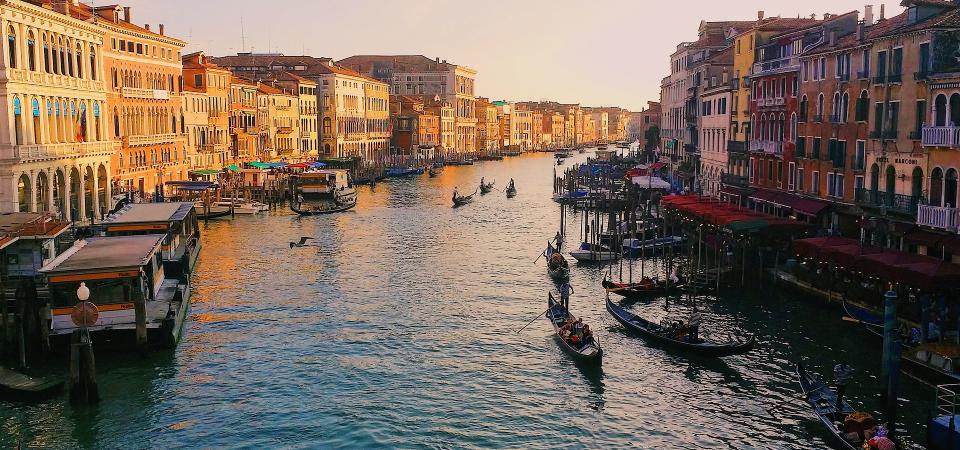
(83, 378)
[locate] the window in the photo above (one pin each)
(791, 174)
(770, 170)
(896, 65)
(31, 52)
(882, 65)
(823, 68)
(198, 80)
(12, 48)
(799, 178)
(863, 106)
(815, 182)
(816, 148)
(865, 64)
(858, 183)
(924, 64)
(918, 121)
(860, 156)
(93, 63)
(878, 114)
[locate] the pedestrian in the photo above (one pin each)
(565, 291)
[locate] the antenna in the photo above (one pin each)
(243, 37)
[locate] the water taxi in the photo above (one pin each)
(329, 184)
(181, 245)
(129, 286)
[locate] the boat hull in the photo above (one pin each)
(648, 330)
(588, 256)
(589, 354)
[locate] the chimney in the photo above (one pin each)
(881, 12)
(161, 29)
(813, 16)
(759, 15)
(438, 60)
(126, 14)
(868, 15)
(61, 6)
(833, 38)
(860, 27)
(146, 26)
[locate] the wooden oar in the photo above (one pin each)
(855, 320)
(535, 318)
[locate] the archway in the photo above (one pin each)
(950, 188)
(916, 182)
(43, 197)
(102, 190)
(940, 111)
(874, 179)
(24, 188)
(954, 109)
(59, 193)
(75, 193)
(88, 192)
(891, 184)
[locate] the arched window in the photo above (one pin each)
(31, 52)
(54, 55)
(18, 121)
(116, 123)
(835, 108)
(11, 48)
(953, 114)
(916, 182)
(950, 188)
(46, 53)
(82, 135)
(936, 186)
(940, 111)
(37, 130)
(93, 63)
(793, 128)
(96, 122)
(51, 123)
(79, 61)
(844, 107)
(70, 71)
(863, 106)
(820, 107)
(63, 57)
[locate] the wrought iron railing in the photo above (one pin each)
(891, 201)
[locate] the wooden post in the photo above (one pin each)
(140, 314)
(4, 320)
(21, 328)
(83, 370)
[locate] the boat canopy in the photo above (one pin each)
(98, 254)
(150, 213)
(191, 185)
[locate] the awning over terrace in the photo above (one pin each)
(725, 215)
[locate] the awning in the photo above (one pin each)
(205, 172)
(811, 248)
(259, 165)
(922, 237)
(190, 185)
(648, 182)
(232, 167)
(802, 205)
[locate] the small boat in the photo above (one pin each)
(836, 416)
(644, 288)
(486, 188)
(242, 207)
(638, 247)
(581, 150)
(212, 213)
(586, 352)
(557, 266)
(321, 209)
(942, 427)
(563, 153)
(593, 253)
(460, 200)
(664, 335)
(396, 172)
(434, 172)
(334, 185)
(511, 190)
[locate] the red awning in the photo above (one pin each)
(930, 274)
(808, 206)
(811, 247)
(922, 237)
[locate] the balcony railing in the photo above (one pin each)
(895, 78)
(52, 151)
(284, 130)
(940, 137)
(766, 146)
(863, 75)
(776, 65)
(734, 180)
(879, 79)
(906, 204)
(151, 139)
(150, 94)
(886, 134)
(938, 217)
(736, 147)
(844, 77)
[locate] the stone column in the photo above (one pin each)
(50, 179)
(67, 192)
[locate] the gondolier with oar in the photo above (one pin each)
(456, 193)
(565, 291)
(559, 240)
(693, 325)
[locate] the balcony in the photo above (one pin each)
(844, 77)
(53, 80)
(922, 75)
(776, 65)
(284, 130)
(736, 147)
(886, 134)
(149, 94)
(150, 139)
(905, 204)
(895, 78)
(766, 146)
(938, 217)
(734, 180)
(880, 79)
(34, 152)
(940, 137)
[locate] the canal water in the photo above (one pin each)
(399, 330)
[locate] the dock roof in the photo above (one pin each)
(150, 212)
(98, 254)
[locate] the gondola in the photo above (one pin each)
(511, 190)
(557, 266)
(434, 172)
(660, 334)
(642, 288)
(588, 353)
(463, 199)
(823, 399)
(485, 188)
(318, 211)
(213, 212)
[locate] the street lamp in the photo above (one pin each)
(83, 292)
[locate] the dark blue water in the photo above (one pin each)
(400, 331)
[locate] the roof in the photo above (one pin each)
(399, 63)
(267, 60)
(107, 14)
(97, 254)
(269, 90)
(150, 212)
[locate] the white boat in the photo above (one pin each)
(259, 206)
(240, 207)
(593, 253)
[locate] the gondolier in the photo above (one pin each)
(565, 291)
(693, 322)
(559, 240)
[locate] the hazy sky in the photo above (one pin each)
(594, 52)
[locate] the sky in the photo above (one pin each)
(592, 52)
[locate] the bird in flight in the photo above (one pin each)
(302, 242)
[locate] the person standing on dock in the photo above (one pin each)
(565, 291)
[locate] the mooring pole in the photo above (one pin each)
(889, 328)
(893, 385)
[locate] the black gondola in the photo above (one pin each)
(823, 399)
(318, 210)
(511, 190)
(588, 352)
(460, 200)
(557, 266)
(643, 288)
(213, 214)
(433, 172)
(662, 335)
(485, 188)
